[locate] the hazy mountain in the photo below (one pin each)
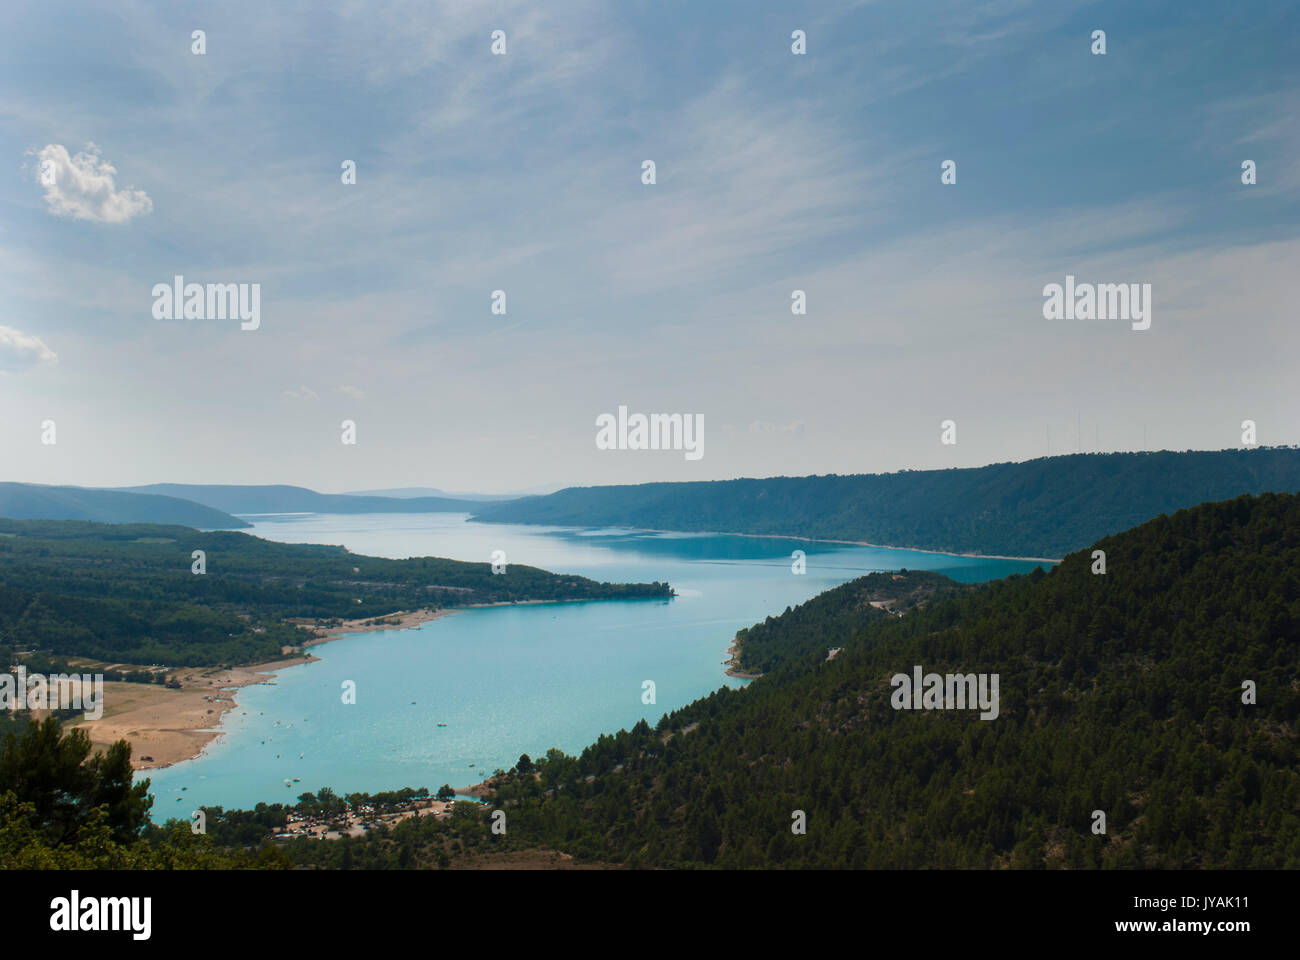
(30, 501)
(280, 498)
(403, 493)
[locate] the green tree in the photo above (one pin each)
(55, 774)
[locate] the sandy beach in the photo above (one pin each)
(166, 725)
(401, 620)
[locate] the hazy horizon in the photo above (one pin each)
(546, 488)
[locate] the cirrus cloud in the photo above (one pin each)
(81, 186)
(22, 351)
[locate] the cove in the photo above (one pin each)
(513, 679)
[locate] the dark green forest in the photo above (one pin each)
(1124, 692)
(1039, 508)
(819, 624)
(62, 808)
(125, 592)
(1120, 692)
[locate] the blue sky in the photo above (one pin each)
(521, 172)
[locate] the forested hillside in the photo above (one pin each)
(1120, 692)
(26, 501)
(128, 593)
(819, 624)
(1041, 508)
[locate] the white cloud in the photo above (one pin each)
(356, 393)
(22, 351)
(302, 393)
(81, 186)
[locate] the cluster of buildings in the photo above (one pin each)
(355, 822)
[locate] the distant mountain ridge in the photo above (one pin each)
(1039, 508)
(31, 501)
(406, 493)
(284, 498)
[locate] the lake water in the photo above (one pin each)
(508, 680)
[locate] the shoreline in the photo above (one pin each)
(406, 619)
(851, 543)
(733, 664)
(170, 726)
(733, 652)
(167, 725)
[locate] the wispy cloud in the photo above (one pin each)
(522, 173)
(21, 351)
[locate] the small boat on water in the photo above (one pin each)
(442, 724)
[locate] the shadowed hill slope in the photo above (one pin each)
(1121, 693)
(1040, 508)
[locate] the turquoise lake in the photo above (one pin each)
(508, 680)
